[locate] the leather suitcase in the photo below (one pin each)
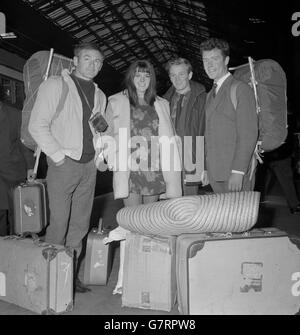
(30, 207)
(149, 272)
(257, 272)
(35, 275)
(98, 258)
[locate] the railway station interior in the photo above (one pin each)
(155, 30)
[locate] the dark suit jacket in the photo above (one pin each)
(230, 135)
(191, 121)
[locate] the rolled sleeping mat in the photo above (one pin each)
(222, 213)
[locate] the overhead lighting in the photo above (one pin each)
(8, 35)
(249, 42)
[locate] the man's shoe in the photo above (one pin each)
(295, 210)
(80, 287)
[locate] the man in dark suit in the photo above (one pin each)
(230, 133)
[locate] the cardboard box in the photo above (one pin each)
(149, 272)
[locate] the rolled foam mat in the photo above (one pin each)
(223, 212)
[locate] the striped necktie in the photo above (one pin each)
(214, 90)
(177, 110)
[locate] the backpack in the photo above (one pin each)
(271, 100)
(34, 72)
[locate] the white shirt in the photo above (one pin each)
(221, 81)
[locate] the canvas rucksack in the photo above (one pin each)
(271, 100)
(34, 72)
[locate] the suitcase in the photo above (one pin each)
(149, 272)
(30, 207)
(257, 272)
(35, 275)
(98, 258)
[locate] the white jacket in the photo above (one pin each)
(118, 117)
(63, 135)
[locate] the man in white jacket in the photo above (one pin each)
(67, 140)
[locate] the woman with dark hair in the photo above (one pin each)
(145, 156)
(137, 120)
(133, 74)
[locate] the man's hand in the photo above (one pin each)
(204, 178)
(60, 162)
(235, 182)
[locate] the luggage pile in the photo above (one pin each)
(250, 271)
(33, 274)
(38, 276)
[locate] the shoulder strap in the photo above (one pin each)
(62, 99)
(60, 106)
(233, 98)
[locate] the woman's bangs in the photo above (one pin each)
(142, 69)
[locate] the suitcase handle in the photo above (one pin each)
(29, 234)
(100, 226)
(23, 236)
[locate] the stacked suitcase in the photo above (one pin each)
(257, 272)
(38, 276)
(35, 275)
(30, 207)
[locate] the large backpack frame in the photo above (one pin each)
(268, 82)
(37, 69)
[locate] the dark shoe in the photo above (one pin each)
(80, 287)
(295, 210)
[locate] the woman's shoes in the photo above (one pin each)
(118, 290)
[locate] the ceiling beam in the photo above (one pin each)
(134, 34)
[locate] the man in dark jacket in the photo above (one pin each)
(279, 164)
(187, 102)
(14, 161)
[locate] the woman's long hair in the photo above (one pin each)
(150, 94)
